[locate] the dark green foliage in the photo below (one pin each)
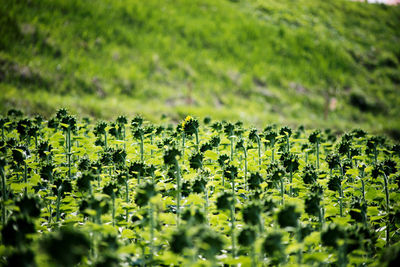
(333, 160)
(252, 214)
(84, 164)
(240, 144)
(270, 136)
(179, 241)
(358, 133)
(62, 186)
(253, 135)
(100, 128)
(15, 232)
(310, 175)
(111, 189)
(170, 156)
(23, 257)
(375, 141)
(137, 169)
(98, 204)
(29, 206)
(305, 230)
(346, 165)
(187, 206)
(215, 140)
(223, 160)
(61, 113)
(288, 216)
(247, 236)
(229, 129)
(144, 193)
(255, 180)
(137, 121)
(118, 156)
(47, 172)
(138, 132)
(391, 256)
(191, 126)
(268, 205)
(334, 183)
(314, 137)
(53, 123)
(224, 201)
(122, 120)
(196, 161)
(199, 185)
(312, 204)
(20, 154)
(272, 245)
(69, 123)
(33, 131)
(206, 146)
(66, 240)
(396, 149)
(231, 172)
(194, 217)
(358, 209)
(285, 130)
(107, 157)
(44, 150)
(344, 147)
(83, 182)
(108, 260)
(210, 243)
(387, 167)
(331, 234)
(355, 152)
(216, 126)
(276, 171)
(23, 126)
(186, 188)
(290, 161)
(317, 189)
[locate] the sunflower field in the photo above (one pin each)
(195, 193)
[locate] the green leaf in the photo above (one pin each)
(127, 233)
(312, 239)
(316, 257)
(210, 155)
(129, 249)
(18, 186)
(342, 220)
(372, 211)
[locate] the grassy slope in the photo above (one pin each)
(258, 60)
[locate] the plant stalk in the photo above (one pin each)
(4, 193)
(233, 219)
(197, 140)
(245, 168)
(259, 151)
(141, 149)
(58, 205)
(178, 197)
(387, 210)
(317, 154)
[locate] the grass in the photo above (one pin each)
(258, 61)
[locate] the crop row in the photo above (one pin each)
(135, 193)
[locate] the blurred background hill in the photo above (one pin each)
(317, 63)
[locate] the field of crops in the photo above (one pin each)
(199, 193)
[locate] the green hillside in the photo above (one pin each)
(317, 63)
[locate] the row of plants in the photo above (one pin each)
(210, 193)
